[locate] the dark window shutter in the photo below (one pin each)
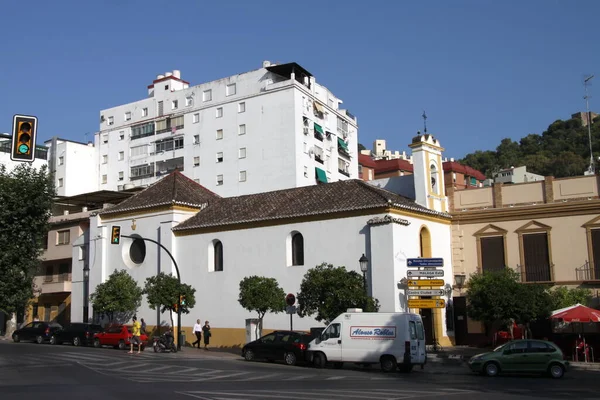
(492, 253)
(537, 261)
(596, 252)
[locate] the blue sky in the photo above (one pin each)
(482, 69)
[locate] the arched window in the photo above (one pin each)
(218, 255)
(434, 179)
(297, 249)
(425, 242)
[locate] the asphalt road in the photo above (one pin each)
(28, 371)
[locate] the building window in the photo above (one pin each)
(144, 112)
(230, 89)
(111, 120)
(128, 116)
(342, 126)
(63, 237)
(121, 156)
(219, 113)
(242, 153)
(242, 177)
(242, 129)
(104, 179)
(105, 138)
(218, 256)
(138, 151)
(169, 144)
(104, 159)
(141, 131)
(160, 109)
(305, 171)
(297, 249)
(219, 134)
(425, 242)
(121, 175)
(220, 157)
(174, 104)
(535, 257)
(60, 182)
(61, 160)
(492, 253)
(207, 95)
(189, 101)
(121, 135)
(167, 166)
(196, 118)
(242, 107)
(219, 180)
(196, 139)
(141, 171)
(196, 161)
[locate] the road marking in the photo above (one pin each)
(182, 371)
(158, 368)
(225, 376)
(333, 378)
(298, 378)
(260, 377)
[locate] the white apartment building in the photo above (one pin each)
(41, 153)
(81, 176)
(380, 152)
(268, 129)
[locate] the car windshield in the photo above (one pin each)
(499, 348)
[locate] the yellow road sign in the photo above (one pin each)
(427, 303)
(426, 282)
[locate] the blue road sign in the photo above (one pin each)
(425, 262)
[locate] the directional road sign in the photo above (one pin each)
(425, 262)
(425, 292)
(426, 282)
(424, 273)
(427, 303)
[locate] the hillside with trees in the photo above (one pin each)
(561, 151)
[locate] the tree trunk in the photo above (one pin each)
(171, 317)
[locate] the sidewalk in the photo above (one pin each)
(214, 352)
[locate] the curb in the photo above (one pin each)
(462, 361)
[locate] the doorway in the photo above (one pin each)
(427, 317)
(461, 330)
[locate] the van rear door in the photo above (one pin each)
(421, 349)
(414, 342)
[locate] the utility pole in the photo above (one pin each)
(587, 83)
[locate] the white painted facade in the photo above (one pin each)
(5, 146)
(80, 176)
(264, 251)
(247, 136)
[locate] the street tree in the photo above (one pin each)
(562, 297)
(118, 298)
(329, 291)
(162, 291)
(261, 295)
(26, 195)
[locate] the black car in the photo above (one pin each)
(287, 346)
(38, 331)
(78, 333)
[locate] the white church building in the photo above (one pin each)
(218, 241)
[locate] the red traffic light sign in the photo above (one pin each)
(24, 135)
(290, 299)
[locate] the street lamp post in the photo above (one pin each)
(459, 280)
(364, 266)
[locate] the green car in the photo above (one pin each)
(526, 356)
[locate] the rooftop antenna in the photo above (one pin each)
(424, 122)
(586, 83)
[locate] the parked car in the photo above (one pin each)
(287, 346)
(117, 336)
(38, 331)
(522, 356)
(78, 333)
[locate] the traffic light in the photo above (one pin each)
(115, 238)
(23, 138)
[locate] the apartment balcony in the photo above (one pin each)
(587, 273)
(57, 283)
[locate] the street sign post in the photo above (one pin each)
(424, 273)
(426, 282)
(425, 292)
(425, 262)
(426, 303)
(290, 300)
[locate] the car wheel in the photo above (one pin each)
(16, 338)
(556, 371)
(97, 343)
(491, 369)
(289, 358)
(249, 355)
(39, 339)
(76, 341)
(388, 363)
(53, 340)
(319, 360)
(122, 345)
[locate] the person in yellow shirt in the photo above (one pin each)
(135, 333)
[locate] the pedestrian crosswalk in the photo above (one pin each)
(309, 394)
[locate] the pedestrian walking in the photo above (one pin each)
(143, 326)
(198, 333)
(207, 334)
(135, 335)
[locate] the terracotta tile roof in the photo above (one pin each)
(366, 161)
(382, 166)
(173, 189)
(327, 199)
(453, 166)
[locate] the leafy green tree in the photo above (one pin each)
(329, 291)
(118, 298)
(26, 196)
(562, 297)
(261, 295)
(162, 291)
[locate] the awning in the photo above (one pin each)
(321, 175)
(318, 107)
(318, 128)
(342, 144)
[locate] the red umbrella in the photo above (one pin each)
(579, 313)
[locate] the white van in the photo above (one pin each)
(390, 339)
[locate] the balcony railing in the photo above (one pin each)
(536, 273)
(587, 272)
(59, 278)
(341, 171)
